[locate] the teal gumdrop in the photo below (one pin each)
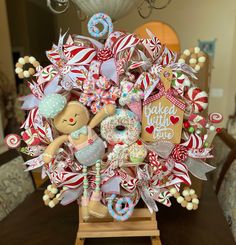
(51, 105)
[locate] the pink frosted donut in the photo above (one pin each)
(123, 127)
(197, 98)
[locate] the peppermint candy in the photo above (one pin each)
(102, 19)
(12, 140)
(179, 153)
(48, 73)
(197, 98)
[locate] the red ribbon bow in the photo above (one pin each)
(169, 94)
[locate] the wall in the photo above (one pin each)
(5, 44)
(31, 28)
(68, 21)
(6, 65)
(34, 28)
(205, 20)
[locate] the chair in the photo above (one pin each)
(224, 178)
(224, 152)
(15, 183)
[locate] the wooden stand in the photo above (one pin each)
(142, 223)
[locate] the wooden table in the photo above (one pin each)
(32, 223)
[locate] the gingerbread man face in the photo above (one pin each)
(71, 118)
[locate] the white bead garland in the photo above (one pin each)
(188, 199)
(50, 197)
(26, 73)
(196, 60)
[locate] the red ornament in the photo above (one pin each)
(139, 142)
(218, 130)
(186, 124)
(179, 153)
(104, 54)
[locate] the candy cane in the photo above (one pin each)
(120, 214)
(104, 20)
(12, 140)
(194, 141)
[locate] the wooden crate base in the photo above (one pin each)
(142, 223)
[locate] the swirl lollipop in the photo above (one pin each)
(120, 214)
(104, 20)
(12, 140)
(215, 117)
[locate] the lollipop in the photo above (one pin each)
(102, 19)
(215, 117)
(12, 140)
(197, 98)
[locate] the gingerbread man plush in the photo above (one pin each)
(72, 120)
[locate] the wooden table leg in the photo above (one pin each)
(79, 241)
(155, 240)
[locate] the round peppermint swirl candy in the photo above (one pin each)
(179, 153)
(104, 20)
(12, 140)
(215, 117)
(197, 98)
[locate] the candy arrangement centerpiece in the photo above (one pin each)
(114, 123)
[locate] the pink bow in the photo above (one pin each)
(99, 93)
